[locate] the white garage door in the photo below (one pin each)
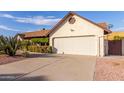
(76, 45)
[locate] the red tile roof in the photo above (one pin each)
(40, 33)
(103, 24)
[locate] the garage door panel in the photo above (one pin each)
(76, 45)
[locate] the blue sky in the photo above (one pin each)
(15, 22)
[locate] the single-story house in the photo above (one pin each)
(35, 35)
(77, 35)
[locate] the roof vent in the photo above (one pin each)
(72, 20)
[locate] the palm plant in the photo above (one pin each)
(1, 44)
(9, 45)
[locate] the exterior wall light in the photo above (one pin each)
(72, 30)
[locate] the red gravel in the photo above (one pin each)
(110, 68)
(4, 59)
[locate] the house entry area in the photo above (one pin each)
(115, 47)
(82, 45)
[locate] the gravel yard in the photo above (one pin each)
(4, 59)
(109, 68)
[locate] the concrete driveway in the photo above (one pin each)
(42, 67)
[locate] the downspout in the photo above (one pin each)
(98, 46)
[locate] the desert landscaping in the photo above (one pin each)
(76, 48)
(5, 59)
(109, 68)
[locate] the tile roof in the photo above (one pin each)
(40, 33)
(103, 24)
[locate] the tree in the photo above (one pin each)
(116, 38)
(110, 26)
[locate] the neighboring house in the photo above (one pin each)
(35, 35)
(115, 43)
(75, 34)
(115, 35)
(20, 36)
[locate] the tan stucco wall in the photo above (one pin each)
(122, 47)
(106, 47)
(19, 38)
(80, 28)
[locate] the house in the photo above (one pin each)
(39, 35)
(36, 34)
(77, 35)
(115, 35)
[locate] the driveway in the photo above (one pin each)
(42, 67)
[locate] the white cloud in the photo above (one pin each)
(7, 16)
(3, 27)
(119, 29)
(51, 17)
(36, 20)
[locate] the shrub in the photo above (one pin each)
(49, 49)
(25, 44)
(40, 40)
(25, 54)
(9, 45)
(118, 38)
(40, 49)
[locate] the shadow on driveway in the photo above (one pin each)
(34, 55)
(15, 77)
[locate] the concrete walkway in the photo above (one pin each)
(41, 67)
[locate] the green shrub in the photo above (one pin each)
(40, 40)
(40, 49)
(25, 44)
(118, 38)
(25, 54)
(49, 49)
